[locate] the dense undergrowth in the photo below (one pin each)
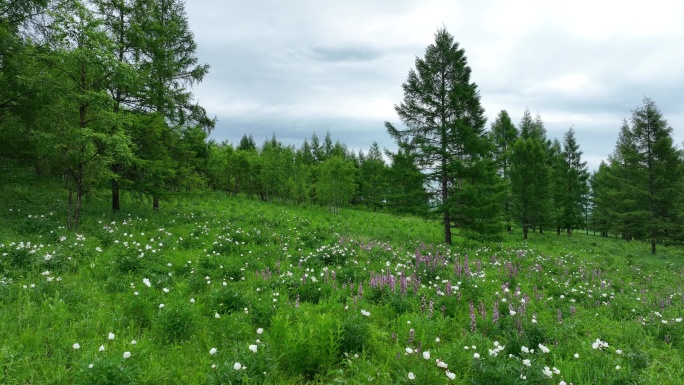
(222, 290)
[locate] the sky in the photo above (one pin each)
(294, 68)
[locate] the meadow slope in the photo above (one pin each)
(222, 290)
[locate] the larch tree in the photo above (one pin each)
(80, 124)
(575, 189)
(169, 66)
(504, 133)
(372, 178)
(444, 127)
(647, 168)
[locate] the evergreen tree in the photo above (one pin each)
(169, 66)
(373, 178)
(117, 18)
(648, 176)
(247, 143)
(601, 205)
(504, 133)
(445, 129)
(406, 193)
(528, 182)
(558, 172)
(575, 188)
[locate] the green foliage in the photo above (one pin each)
(106, 371)
(336, 183)
(175, 323)
(642, 182)
(445, 129)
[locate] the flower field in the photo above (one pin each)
(223, 290)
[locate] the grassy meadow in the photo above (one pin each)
(222, 290)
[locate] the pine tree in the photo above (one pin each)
(445, 129)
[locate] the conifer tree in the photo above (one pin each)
(575, 188)
(504, 133)
(647, 176)
(444, 127)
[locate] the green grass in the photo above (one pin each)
(233, 265)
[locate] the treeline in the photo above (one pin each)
(97, 93)
(318, 172)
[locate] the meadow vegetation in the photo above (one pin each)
(217, 289)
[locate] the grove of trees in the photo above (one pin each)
(97, 94)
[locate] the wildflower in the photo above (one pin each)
(212, 351)
(366, 313)
(161, 305)
(110, 336)
(127, 355)
(146, 281)
(555, 370)
(237, 366)
(90, 366)
(441, 364)
(426, 354)
(134, 342)
(217, 315)
(451, 376)
(527, 362)
(619, 351)
(547, 372)
(524, 349)
(617, 367)
(476, 356)
(165, 290)
(562, 383)
(576, 355)
(101, 348)
(192, 300)
(409, 351)
(253, 348)
(76, 346)
(260, 330)
(437, 339)
(411, 376)
(598, 344)
(543, 348)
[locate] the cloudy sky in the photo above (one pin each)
(297, 67)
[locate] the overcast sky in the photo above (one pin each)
(297, 67)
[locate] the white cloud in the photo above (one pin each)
(301, 66)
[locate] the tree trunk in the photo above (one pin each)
(569, 231)
(525, 232)
(116, 205)
(653, 246)
(447, 227)
(557, 230)
(155, 202)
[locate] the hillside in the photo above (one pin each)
(214, 289)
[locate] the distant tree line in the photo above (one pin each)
(97, 93)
